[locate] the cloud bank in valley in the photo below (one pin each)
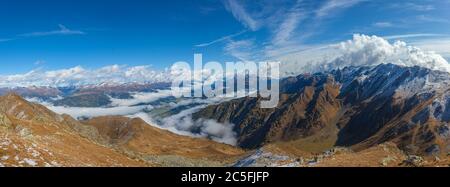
(179, 123)
(89, 112)
(183, 123)
(140, 97)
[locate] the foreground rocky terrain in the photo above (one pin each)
(383, 155)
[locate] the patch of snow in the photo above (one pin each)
(362, 78)
(5, 142)
(411, 88)
(30, 162)
(262, 158)
(4, 158)
(54, 163)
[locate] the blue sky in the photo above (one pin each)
(50, 35)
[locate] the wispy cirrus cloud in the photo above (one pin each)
(332, 6)
(241, 14)
(297, 17)
(419, 35)
(283, 20)
(290, 24)
(221, 39)
(421, 7)
(63, 30)
(383, 24)
(287, 27)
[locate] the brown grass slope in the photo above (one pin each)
(32, 135)
(136, 137)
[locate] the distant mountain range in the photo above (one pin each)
(84, 96)
(380, 115)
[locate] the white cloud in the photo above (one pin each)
(362, 50)
(77, 76)
(63, 30)
(182, 123)
(142, 98)
(220, 132)
(438, 45)
(89, 112)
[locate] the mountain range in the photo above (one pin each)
(384, 115)
(357, 107)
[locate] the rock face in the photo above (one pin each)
(32, 135)
(358, 107)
